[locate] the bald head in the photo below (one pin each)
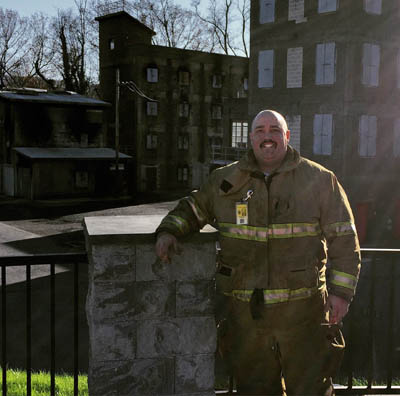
(269, 138)
(271, 115)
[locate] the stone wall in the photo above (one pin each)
(151, 325)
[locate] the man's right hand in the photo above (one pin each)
(166, 246)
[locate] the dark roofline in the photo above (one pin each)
(120, 13)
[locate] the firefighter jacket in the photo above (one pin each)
(276, 232)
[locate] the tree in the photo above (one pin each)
(14, 39)
(224, 17)
(175, 26)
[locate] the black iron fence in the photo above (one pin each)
(372, 327)
(55, 263)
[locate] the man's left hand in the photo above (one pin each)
(337, 307)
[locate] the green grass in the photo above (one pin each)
(364, 382)
(16, 384)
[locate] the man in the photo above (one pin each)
(280, 216)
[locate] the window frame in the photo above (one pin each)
(239, 140)
(368, 77)
(152, 108)
(371, 135)
(266, 80)
(149, 77)
(370, 6)
(151, 141)
(325, 6)
(184, 78)
(268, 17)
(216, 112)
(323, 130)
(325, 73)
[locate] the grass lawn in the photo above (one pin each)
(16, 384)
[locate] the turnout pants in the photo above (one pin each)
(290, 348)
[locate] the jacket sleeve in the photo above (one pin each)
(337, 223)
(192, 213)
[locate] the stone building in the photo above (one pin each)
(333, 67)
(52, 145)
(181, 111)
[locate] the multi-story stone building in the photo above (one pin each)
(333, 67)
(178, 108)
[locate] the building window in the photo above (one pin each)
(373, 6)
(396, 138)
(246, 84)
(183, 109)
(327, 5)
(183, 141)
(371, 61)
(267, 11)
(152, 74)
(266, 69)
(367, 136)
(323, 127)
(216, 112)
(294, 126)
(239, 134)
(217, 81)
(151, 141)
(152, 108)
(325, 67)
(183, 77)
(294, 75)
(111, 44)
(183, 173)
(296, 10)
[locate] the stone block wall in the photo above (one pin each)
(151, 325)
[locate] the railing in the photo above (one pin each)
(28, 261)
(371, 259)
(225, 155)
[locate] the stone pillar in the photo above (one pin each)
(151, 325)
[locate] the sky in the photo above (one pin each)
(29, 7)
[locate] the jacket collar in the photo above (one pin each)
(247, 167)
(249, 164)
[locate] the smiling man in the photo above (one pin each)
(280, 217)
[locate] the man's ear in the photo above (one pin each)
(288, 135)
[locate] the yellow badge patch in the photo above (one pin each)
(242, 213)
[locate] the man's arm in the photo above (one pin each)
(337, 223)
(190, 215)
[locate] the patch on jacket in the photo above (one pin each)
(225, 186)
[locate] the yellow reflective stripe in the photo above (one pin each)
(201, 217)
(339, 229)
(343, 279)
(244, 232)
(178, 222)
(274, 231)
(294, 230)
(275, 296)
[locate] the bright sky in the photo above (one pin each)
(29, 7)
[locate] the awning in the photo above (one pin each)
(69, 153)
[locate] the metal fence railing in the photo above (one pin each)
(372, 327)
(66, 260)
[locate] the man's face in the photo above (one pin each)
(269, 139)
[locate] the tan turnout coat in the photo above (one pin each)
(298, 219)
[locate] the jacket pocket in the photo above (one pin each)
(302, 273)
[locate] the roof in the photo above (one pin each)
(43, 96)
(126, 14)
(69, 153)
